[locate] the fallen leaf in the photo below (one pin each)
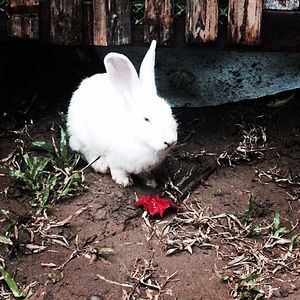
(156, 205)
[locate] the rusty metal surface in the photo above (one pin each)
(194, 77)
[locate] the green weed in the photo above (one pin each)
(294, 240)
(248, 288)
(60, 153)
(51, 176)
(11, 284)
(278, 229)
(14, 288)
(5, 240)
(248, 214)
(11, 221)
(32, 172)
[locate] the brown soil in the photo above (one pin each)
(111, 219)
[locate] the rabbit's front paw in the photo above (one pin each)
(121, 177)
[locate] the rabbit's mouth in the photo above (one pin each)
(165, 150)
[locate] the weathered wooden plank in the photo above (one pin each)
(16, 3)
(244, 21)
(23, 26)
(65, 22)
(87, 22)
(100, 26)
(282, 4)
(112, 23)
(201, 21)
(23, 21)
(158, 21)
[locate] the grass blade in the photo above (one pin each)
(11, 283)
(276, 221)
(5, 240)
(39, 164)
(42, 145)
(63, 145)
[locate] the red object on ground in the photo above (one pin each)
(156, 205)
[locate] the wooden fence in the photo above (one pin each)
(108, 22)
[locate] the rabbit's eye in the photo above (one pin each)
(146, 119)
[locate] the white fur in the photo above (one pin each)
(107, 114)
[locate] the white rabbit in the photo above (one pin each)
(119, 117)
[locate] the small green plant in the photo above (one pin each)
(5, 240)
(32, 172)
(248, 214)
(60, 154)
(294, 240)
(70, 185)
(14, 288)
(278, 229)
(182, 79)
(11, 221)
(42, 201)
(11, 284)
(51, 176)
(248, 288)
(12, 225)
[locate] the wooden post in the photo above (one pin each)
(100, 26)
(16, 3)
(87, 22)
(65, 22)
(112, 23)
(158, 20)
(201, 21)
(282, 4)
(244, 21)
(23, 21)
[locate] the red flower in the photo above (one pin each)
(156, 205)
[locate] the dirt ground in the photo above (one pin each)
(229, 154)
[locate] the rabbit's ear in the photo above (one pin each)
(147, 75)
(122, 74)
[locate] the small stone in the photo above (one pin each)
(119, 194)
(280, 293)
(100, 214)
